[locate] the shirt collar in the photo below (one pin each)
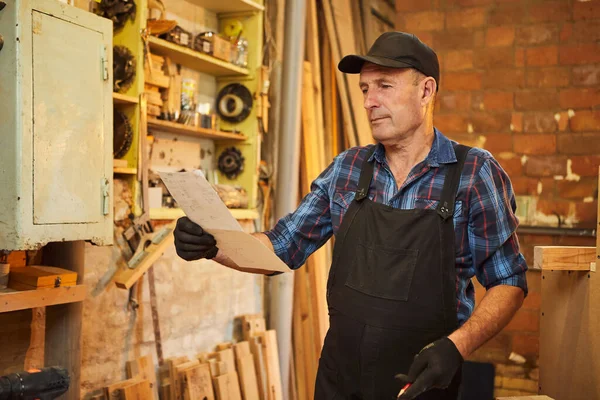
(442, 151)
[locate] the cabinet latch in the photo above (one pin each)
(105, 196)
(104, 64)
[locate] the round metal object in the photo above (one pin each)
(234, 103)
(118, 11)
(124, 67)
(231, 162)
(122, 134)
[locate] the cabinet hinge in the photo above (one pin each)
(104, 64)
(105, 196)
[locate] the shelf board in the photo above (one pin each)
(194, 59)
(175, 213)
(22, 300)
(119, 98)
(181, 129)
(220, 6)
(124, 170)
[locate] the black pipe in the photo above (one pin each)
(555, 231)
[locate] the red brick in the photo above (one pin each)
(466, 18)
(451, 123)
(534, 35)
(585, 187)
(504, 78)
(422, 21)
(526, 345)
(516, 122)
(425, 37)
(498, 100)
(579, 54)
(549, 11)
(507, 14)
(454, 101)
(585, 120)
(586, 213)
(586, 75)
(579, 143)
(548, 77)
(519, 57)
(534, 144)
(586, 31)
(546, 166)
(486, 122)
(511, 165)
(566, 32)
(500, 36)
(524, 186)
(563, 121)
(412, 5)
(575, 241)
(454, 39)
(534, 277)
(553, 207)
(462, 81)
(524, 321)
(479, 38)
(539, 122)
(497, 143)
(536, 100)
(457, 60)
(586, 10)
(585, 165)
(579, 98)
(468, 3)
(495, 57)
(541, 56)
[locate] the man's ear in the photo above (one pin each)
(428, 91)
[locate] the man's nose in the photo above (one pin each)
(370, 100)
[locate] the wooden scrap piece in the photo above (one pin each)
(259, 365)
(252, 324)
(113, 389)
(227, 387)
(564, 258)
(173, 379)
(268, 342)
(246, 371)
(139, 390)
(197, 383)
(143, 368)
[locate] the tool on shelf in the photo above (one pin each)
(45, 384)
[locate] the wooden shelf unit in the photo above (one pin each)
(226, 6)
(22, 300)
(194, 59)
(181, 129)
(174, 213)
(119, 98)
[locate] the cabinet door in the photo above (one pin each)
(68, 121)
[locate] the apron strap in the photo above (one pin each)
(366, 174)
(447, 200)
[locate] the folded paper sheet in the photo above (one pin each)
(202, 204)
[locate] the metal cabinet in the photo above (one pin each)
(55, 125)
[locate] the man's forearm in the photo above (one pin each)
(228, 262)
(496, 310)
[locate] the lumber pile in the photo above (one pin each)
(246, 370)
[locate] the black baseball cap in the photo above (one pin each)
(396, 50)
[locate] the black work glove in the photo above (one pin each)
(433, 368)
(192, 242)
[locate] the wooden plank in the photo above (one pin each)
(180, 376)
(143, 367)
(271, 357)
(246, 371)
(227, 387)
(226, 356)
(63, 322)
(569, 328)
(34, 358)
(598, 228)
(348, 120)
(21, 300)
(564, 258)
(173, 379)
(298, 343)
(113, 389)
(252, 324)
(197, 383)
(259, 365)
(224, 346)
(137, 391)
(188, 130)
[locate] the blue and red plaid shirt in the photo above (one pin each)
(484, 217)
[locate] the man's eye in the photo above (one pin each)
(364, 91)
(386, 86)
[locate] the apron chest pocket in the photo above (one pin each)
(383, 272)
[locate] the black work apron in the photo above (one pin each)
(391, 291)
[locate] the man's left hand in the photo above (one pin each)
(433, 368)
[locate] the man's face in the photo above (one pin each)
(392, 100)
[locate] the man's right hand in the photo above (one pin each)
(192, 242)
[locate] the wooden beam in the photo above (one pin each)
(598, 227)
(564, 258)
(143, 368)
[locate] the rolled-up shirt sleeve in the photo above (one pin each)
(299, 234)
(492, 229)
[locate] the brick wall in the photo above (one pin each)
(522, 80)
